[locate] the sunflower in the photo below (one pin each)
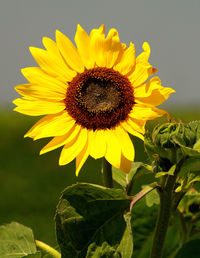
(93, 96)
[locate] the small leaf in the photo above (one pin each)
(16, 241)
(189, 249)
(90, 221)
(170, 172)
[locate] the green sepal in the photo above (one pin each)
(90, 221)
(195, 126)
(17, 241)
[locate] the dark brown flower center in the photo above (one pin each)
(99, 98)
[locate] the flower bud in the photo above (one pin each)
(172, 135)
(172, 142)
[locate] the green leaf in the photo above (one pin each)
(189, 249)
(172, 241)
(143, 223)
(191, 164)
(126, 245)
(35, 255)
(170, 172)
(152, 198)
(138, 170)
(90, 221)
(119, 176)
(16, 241)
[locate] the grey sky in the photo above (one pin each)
(171, 27)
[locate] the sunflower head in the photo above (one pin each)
(92, 96)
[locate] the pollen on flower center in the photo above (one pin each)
(99, 98)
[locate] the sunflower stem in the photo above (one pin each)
(163, 218)
(166, 210)
(107, 174)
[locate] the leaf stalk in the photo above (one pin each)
(47, 249)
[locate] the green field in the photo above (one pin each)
(30, 184)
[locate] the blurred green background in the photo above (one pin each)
(30, 185)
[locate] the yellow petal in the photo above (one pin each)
(44, 91)
(82, 157)
(98, 146)
(143, 69)
(51, 125)
(52, 47)
(127, 62)
(152, 92)
(125, 142)
(38, 107)
(125, 164)
(73, 148)
(145, 112)
(36, 75)
(141, 74)
(113, 149)
(129, 128)
(144, 56)
(59, 141)
(160, 112)
(69, 52)
(106, 51)
(53, 50)
(83, 45)
(97, 38)
(52, 65)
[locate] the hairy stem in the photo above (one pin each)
(163, 218)
(47, 249)
(166, 198)
(107, 174)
